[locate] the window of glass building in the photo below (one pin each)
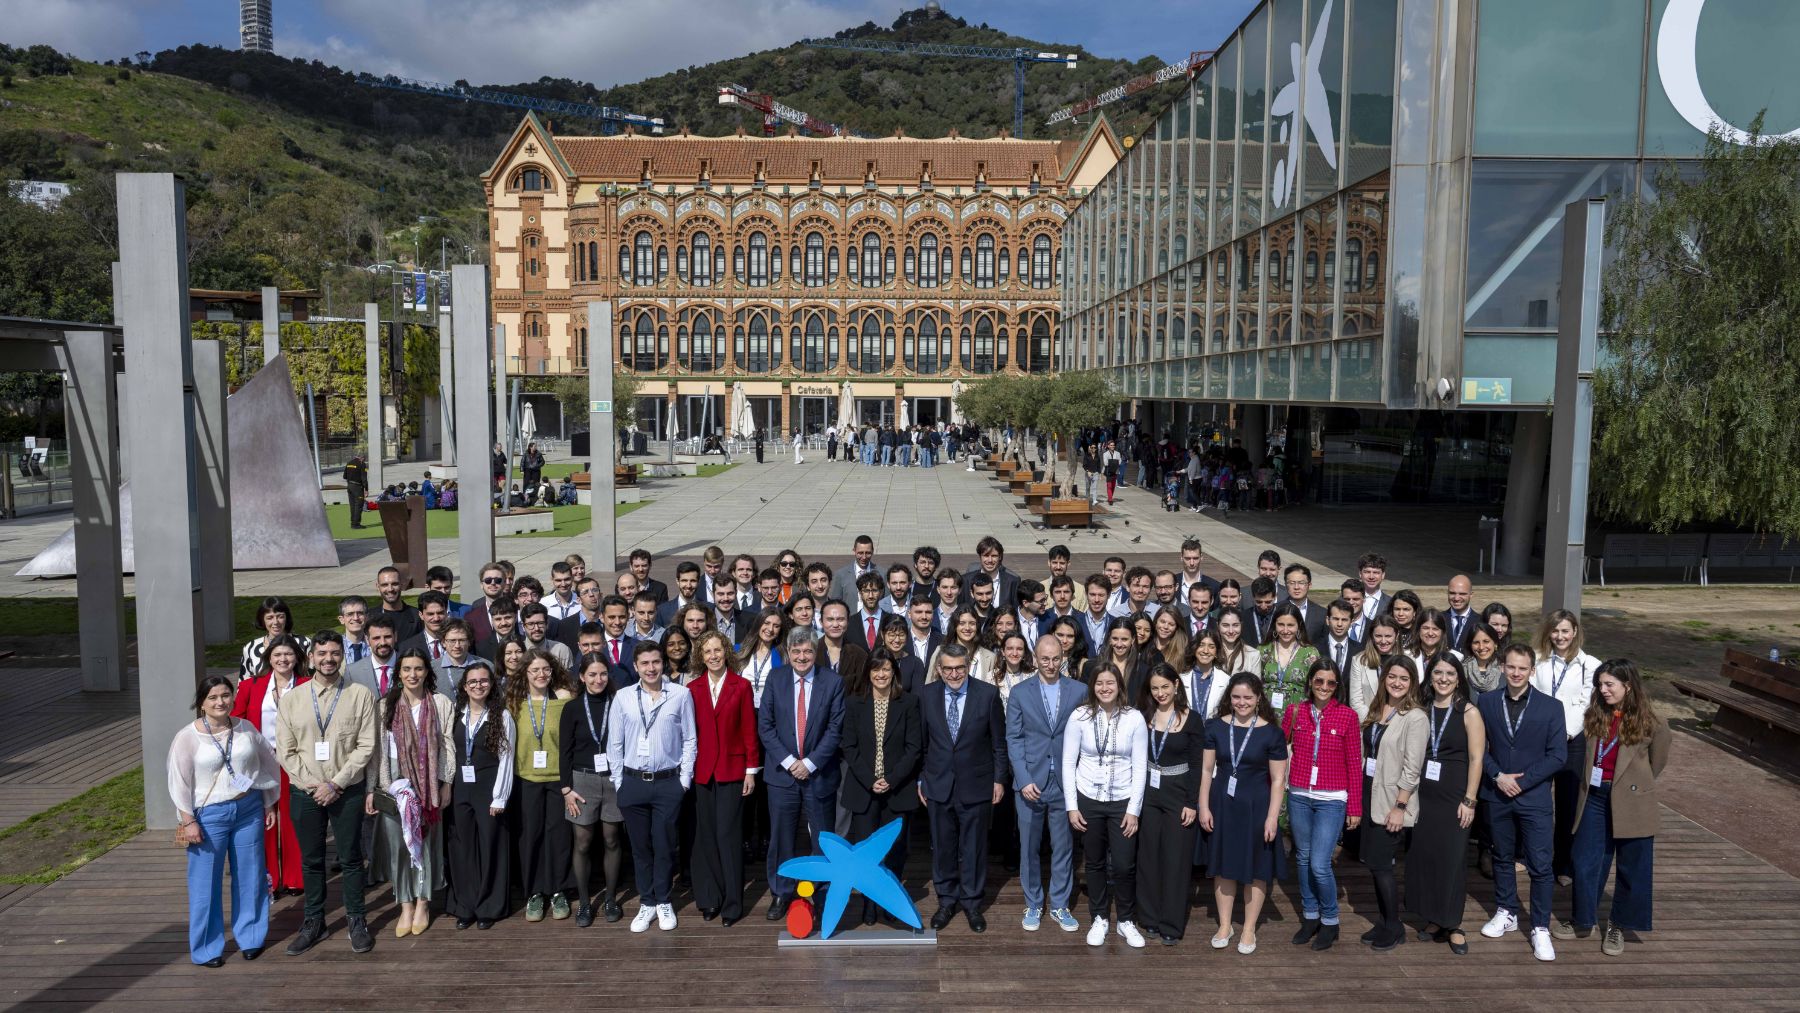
(1557, 78)
(1254, 117)
(1738, 49)
(1369, 115)
(1515, 235)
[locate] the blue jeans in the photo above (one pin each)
(231, 833)
(905, 455)
(1034, 818)
(1317, 824)
(1592, 851)
(1522, 829)
(924, 457)
(887, 456)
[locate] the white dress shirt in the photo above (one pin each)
(1105, 758)
(1571, 683)
(669, 741)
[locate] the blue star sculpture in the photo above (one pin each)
(855, 867)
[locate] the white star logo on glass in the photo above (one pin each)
(1307, 82)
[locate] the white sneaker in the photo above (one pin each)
(1540, 945)
(665, 916)
(1503, 922)
(1133, 938)
(1097, 932)
(641, 921)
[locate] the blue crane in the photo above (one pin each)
(1018, 55)
(612, 119)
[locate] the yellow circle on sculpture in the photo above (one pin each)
(805, 889)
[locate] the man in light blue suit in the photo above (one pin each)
(1036, 715)
(800, 758)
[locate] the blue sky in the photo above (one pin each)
(604, 41)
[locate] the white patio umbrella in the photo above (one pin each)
(743, 424)
(905, 414)
(955, 409)
(846, 408)
(669, 433)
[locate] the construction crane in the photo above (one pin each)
(1195, 62)
(774, 112)
(1019, 57)
(612, 119)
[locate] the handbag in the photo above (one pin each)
(385, 804)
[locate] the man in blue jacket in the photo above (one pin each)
(798, 725)
(963, 778)
(1526, 744)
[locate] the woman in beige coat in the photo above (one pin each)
(412, 778)
(1394, 734)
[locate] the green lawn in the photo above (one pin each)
(59, 840)
(570, 520)
(38, 617)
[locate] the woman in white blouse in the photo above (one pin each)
(1204, 681)
(223, 777)
(412, 781)
(1383, 641)
(1566, 672)
(965, 629)
(1105, 758)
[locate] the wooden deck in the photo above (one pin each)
(57, 741)
(1728, 927)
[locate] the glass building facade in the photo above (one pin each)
(1353, 216)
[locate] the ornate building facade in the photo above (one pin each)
(809, 275)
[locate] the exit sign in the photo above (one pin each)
(599, 407)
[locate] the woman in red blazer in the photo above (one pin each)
(726, 761)
(284, 667)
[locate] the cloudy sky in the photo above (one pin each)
(603, 41)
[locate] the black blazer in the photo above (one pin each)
(912, 673)
(1352, 648)
(657, 588)
(964, 771)
(1536, 751)
(902, 748)
(1006, 588)
(853, 660)
(1252, 635)
(407, 623)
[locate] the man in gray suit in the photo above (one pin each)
(375, 673)
(1036, 716)
(843, 582)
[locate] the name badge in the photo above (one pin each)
(322, 750)
(1369, 767)
(1433, 769)
(600, 765)
(1275, 700)
(1156, 779)
(1596, 777)
(393, 745)
(468, 773)
(1315, 778)
(240, 783)
(1231, 786)
(540, 758)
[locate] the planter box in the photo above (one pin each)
(622, 494)
(680, 469)
(520, 522)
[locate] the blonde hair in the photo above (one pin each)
(1541, 642)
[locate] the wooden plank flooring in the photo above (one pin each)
(57, 741)
(114, 932)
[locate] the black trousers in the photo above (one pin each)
(959, 852)
(1111, 859)
(651, 810)
(345, 818)
(1165, 871)
(862, 824)
(546, 843)
(1565, 786)
(478, 857)
(357, 498)
(718, 855)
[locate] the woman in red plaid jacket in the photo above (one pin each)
(1324, 795)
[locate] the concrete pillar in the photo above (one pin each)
(1524, 492)
(159, 359)
(474, 517)
(1572, 427)
(271, 313)
(503, 433)
(91, 410)
(1254, 430)
(372, 394)
(446, 389)
(213, 484)
(601, 435)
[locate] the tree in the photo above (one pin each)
(1694, 398)
(1074, 402)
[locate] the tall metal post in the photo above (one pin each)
(475, 512)
(271, 313)
(1572, 424)
(372, 394)
(601, 435)
(91, 409)
(214, 488)
(446, 388)
(505, 437)
(159, 360)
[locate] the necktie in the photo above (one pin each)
(437, 650)
(615, 646)
(1456, 624)
(871, 633)
(955, 721)
(800, 716)
(1338, 655)
(383, 680)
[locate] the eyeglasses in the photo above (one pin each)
(787, 564)
(493, 580)
(477, 682)
(1325, 682)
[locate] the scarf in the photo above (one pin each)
(417, 759)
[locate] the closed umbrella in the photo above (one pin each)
(846, 408)
(905, 414)
(955, 409)
(743, 424)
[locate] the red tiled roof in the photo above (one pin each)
(842, 160)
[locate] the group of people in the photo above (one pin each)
(1199, 475)
(890, 446)
(1157, 724)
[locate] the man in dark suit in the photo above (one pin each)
(1298, 580)
(923, 638)
(1191, 559)
(503, 625)
(866, 620)
(640, 568)
(1030, 611)
(1371, 570)
(838, 649)
(1527, 743)
(618, 644)
(434, 613)
(1259, 622)
(376, 673)
(1035, 721)
(843, 582)
(1459, 616)
(587, 601)
(1338, 646)
(726, 618)
(992, 555)
(963, 779)
(687, 591)
(405, 617)
(480, 614)
(1197, 611)
(799, 725)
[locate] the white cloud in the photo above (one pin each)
(90, 29)
(603, 41)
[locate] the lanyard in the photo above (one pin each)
(758, 670)
(587, 709)
(1558, 674)
(1600, 752)
(538, 721)
(1318, 733)
(472, 733)
(1237, 751)
(231, 733)
(324, 722)
(1512, 726)
(1437, 730)
(1104, 744)
(651, 718)
(1160, 739)
(1281, 670)
(1376, 731)
(1202, 689)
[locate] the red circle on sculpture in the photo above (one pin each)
(800, 919)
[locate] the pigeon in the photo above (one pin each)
(1043, 541)
(965, 517)
(1136, 538)
(765, 499)
(1128, 524)
(1016, 524)
(1104, 535)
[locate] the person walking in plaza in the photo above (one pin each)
(258, 701)
(478, 851)
(1112, 465)
(1437, 867)
(650, 749)
(1566, 673)
(963, 777)
(589, 800)
(1170, 819)
(1243, 774)
(1394, 739)
(800, 727)
(223, 779)
(1627, 747)
(536, 701)
(883, 744)
(328, 736)
(1527, 744)
(1037, 715)
(759, 447)
(1105, 762)
(798, 439)
(728, 758)
(413, 774)
(1324, 796)
(356, 489)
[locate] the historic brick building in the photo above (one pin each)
(792, 267)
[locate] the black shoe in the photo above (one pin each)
(484, 924)
(1309, 927)
(708, 914)
(613, 911)
(463, 923)
(218, 961)
(976, 922)
(1460, 949)
(778, 906)
(729, 920)
(584, 916)
(942, 917)
(253, 952)
(311, 932)
(360, 939)
(1388, 939)
(1370, 936)
(1328, 934)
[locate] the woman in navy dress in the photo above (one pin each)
(1243, 771)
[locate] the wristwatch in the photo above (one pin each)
(1469, 802)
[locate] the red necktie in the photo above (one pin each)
(871, 633)
(800, 718)
(436, 651)
(384, 669)
(615, 644)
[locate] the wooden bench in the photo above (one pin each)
(1065, 513)
(1019, 480)
(1759, 704)
(1005, 469)
(625, 474)
(1035, 493)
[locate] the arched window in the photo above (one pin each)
(968, 266)
(737, 262)
(703, 346)
(866, 356)
(662, 262)
(531, 180)
(1353, 266)
(813, 354)
(980, 357)
(578, 349)
(1005, 264)
(924, 358)
(815, 260)
(984, 261)
(1040, 262)
(871, 260)
(760, 354)
(1372, 273)
(580, 262)
(703, 259)
(643, 351)
(759, 260)
(831, 264)
(593, 258)
(928, 260)
(624, 264)
(644, 262)
(1039, 360)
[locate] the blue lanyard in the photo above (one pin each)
(231, 733)
(1237, 751)
(587, 709)
(1437, 730)
(324, 722)
(1556, 680)
(469, 740)
(1605, 747)
(651, 718)
(1512, 725)
(1160, 739)
(538, 721)
(1202, 689)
